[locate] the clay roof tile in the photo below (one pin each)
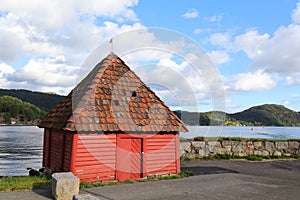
(112, 87)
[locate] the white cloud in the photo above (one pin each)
(47, 72)
(276, 54)
(251, 42)
(191, 13)
(43, 74)
(292, 80)
(221, 39)
(32, 28)
(296, 14)
(286, 103)
(251, 81)
(219, 57)
(48, 31)
(177, 83)
(5, 70)
(200, 31)
(215, 18)
(280, 54)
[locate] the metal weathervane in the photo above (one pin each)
(111, 42)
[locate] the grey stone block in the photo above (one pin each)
(293, 145)
(258, 145)
(269, 146)
(64, 186)
(239, 149)
(198, 144)
(214, 143)
(281, 145)
(185, 147)
(201, 153)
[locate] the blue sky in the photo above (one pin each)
(254, 45)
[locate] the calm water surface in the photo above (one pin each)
(280, 133)
(21, 146)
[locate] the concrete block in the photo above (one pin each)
(64, 186)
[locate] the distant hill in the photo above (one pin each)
(45, 101)
(263, 115)
(269, 115)
(15, 111)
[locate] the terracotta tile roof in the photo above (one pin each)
(112, 98)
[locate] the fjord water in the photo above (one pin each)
(22, 146)
(279, 133)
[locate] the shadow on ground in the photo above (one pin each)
(207, 170)
(44, 192)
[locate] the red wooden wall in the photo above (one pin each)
(140, 155)
(95, 158)
(100, 157)
(57, 150)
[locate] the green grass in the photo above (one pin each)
(24, 183)
(176, 176)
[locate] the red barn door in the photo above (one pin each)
(129, 159)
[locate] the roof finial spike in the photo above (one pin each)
(111, 42)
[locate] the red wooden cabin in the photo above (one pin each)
(112, 127)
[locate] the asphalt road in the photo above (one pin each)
(215, 180)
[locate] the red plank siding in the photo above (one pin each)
(160, 156)
(56, 150)
(67, 151)
(95, 157)
(46, 147)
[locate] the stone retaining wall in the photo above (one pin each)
(199, 149)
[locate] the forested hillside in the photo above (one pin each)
(269, 115)
(44, 101)
(15, 111)
(263, 115)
